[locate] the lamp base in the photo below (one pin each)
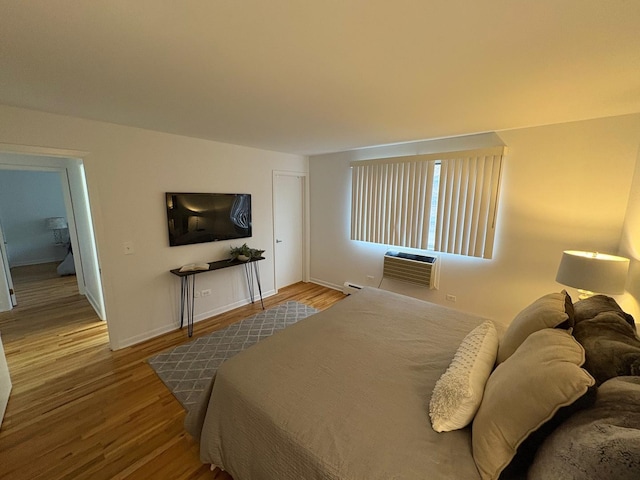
(584, 294)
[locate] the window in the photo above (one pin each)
(431, 239)
(441, 202)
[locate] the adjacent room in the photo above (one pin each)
(264, 240)
(34, 226)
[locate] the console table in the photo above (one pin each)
(188, 285)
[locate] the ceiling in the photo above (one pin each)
(313, 77)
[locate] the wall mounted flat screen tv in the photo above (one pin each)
(207, 217)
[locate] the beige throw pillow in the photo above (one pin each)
(546, 312)
(523, 393)
(458, 392)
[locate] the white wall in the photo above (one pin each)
(630, 247)
(128, 170)
(27, 199)
(563, 186)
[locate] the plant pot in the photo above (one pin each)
(243, 258)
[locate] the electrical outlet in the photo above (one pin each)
(206, 293)
(196, 294)
(451, 298)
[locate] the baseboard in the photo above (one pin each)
(326, 284)
(128, 342)
(226, 308)
(39, 261)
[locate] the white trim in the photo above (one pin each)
(42, 151)
(322, 283)
(7, 299)
(38, 261)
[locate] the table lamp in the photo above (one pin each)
(593, 272)
(58, 225)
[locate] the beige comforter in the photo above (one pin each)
(342, 394)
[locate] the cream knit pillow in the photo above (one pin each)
(457, 394)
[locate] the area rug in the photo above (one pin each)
(187, 369)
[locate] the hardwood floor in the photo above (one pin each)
(78, 410)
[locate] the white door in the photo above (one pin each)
(8, 298)
(288, 228)
(85, 254)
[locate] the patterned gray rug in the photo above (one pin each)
(187, 369)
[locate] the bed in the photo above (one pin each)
(314, 401)
(345, 393)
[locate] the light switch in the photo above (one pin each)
(128, 248)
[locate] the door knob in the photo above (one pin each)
(278, 241)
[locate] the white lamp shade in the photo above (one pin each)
(594, 272)
(54, 223)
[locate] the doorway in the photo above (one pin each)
(78, 217)
(290, 227)
(31, 205)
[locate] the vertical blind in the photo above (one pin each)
(393, 201)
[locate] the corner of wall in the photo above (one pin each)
(630, 244)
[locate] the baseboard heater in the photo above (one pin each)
(348, 288)
(411, 268)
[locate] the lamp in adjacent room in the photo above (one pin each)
(58, 225)
(593, 272)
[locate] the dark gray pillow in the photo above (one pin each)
(602, 441)
(517, 468)
(591, 307)
(611, 344)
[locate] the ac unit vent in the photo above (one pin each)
(408, 267)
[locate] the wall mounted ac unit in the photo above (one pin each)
(408, 267)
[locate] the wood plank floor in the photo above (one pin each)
(80, 411)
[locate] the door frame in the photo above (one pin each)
(305, 221)
(6, 272)
(61, 161)
(68, 204)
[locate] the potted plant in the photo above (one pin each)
(242, 253)
(245, 253)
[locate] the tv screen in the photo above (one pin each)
(207, 217)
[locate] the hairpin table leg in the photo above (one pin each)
(250, 274)
(187, 301)
(256, 268)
